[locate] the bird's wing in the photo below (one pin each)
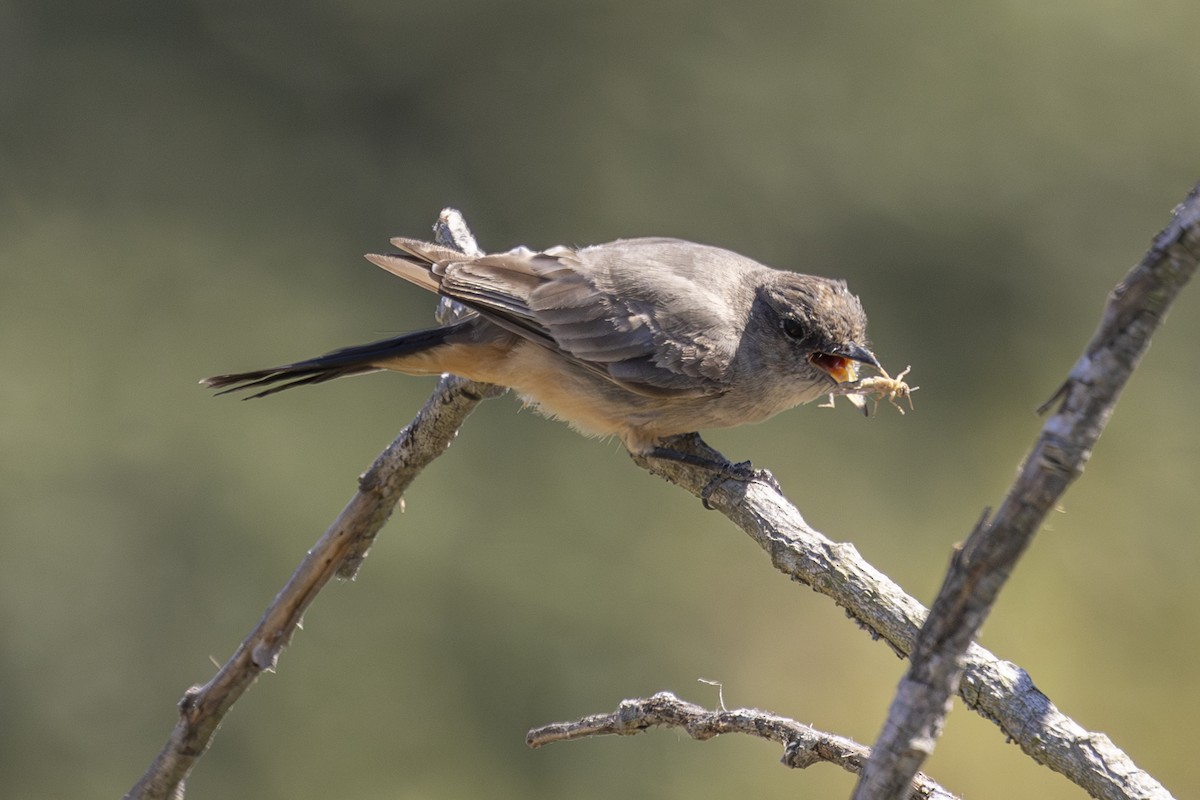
(496, 287)
(565, 299)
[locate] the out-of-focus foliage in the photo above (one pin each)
(185, 188)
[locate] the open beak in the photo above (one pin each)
(842, 364)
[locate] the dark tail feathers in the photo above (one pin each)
(357, 360)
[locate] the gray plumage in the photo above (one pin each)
(639, 338)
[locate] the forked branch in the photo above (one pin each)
(996, 689)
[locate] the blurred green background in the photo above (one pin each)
(186, 189)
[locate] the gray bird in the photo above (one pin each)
(643, 339)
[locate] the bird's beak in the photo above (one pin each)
(841, 365)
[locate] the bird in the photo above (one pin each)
(640, 339)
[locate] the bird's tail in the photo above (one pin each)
(357, 360)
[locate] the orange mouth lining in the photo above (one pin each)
(842, 370)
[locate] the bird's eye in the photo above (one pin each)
(793, 329)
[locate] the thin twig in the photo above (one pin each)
(803, 745)
(981, 566)
(340, 550)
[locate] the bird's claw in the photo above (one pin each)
(742, 472)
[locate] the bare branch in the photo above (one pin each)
(980, 568)
(998, 690)
(803, 745)
(340, 550)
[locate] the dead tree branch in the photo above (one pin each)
(339, 551)
(979, 569)
(803, 745)
(996, 689)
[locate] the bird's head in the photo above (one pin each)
(813, 327)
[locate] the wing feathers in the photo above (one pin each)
(559, 300)
(404, 267)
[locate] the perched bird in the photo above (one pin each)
(642, 339)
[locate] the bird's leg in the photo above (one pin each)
(690, 449)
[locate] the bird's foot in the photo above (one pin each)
(690, 449)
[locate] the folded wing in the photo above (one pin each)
(562, 299)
